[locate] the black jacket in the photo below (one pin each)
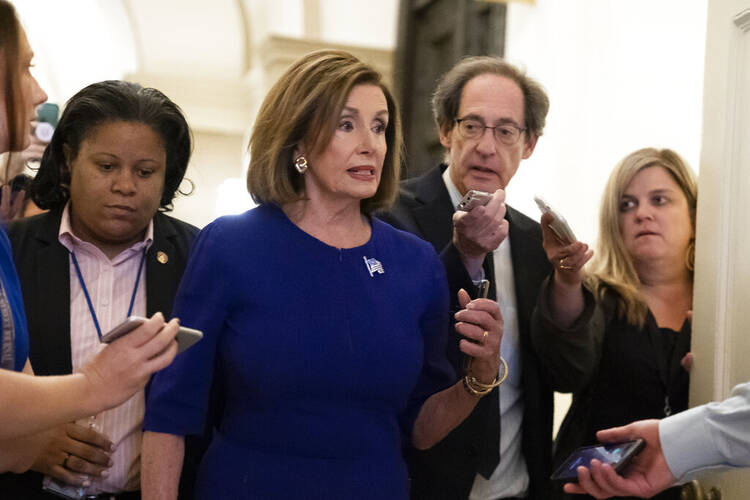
(447, 471)
(44, 271)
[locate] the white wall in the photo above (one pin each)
(620, 76)
(77, 42)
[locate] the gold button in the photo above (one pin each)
(162, 257)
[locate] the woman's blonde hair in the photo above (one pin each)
(612, 270)
(304, 106)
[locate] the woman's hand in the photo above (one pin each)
(11, 204)
(568, 259)
(75, 454)
(481, 323)
(566, 299)
(123, 367)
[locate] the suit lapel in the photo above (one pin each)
(51, 309)
(435, 214)
(161, 272)
(528, 255)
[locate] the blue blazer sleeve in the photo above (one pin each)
(437, 373)
(178, 398)
(15, 301)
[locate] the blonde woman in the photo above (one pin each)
(618, 334)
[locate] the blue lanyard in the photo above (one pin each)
(88, 298)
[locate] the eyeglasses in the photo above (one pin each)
(507, 133)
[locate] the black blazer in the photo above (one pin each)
(447, 470)
(44, 272)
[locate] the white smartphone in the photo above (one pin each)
(473, 198)
(558, 225)
(185, 336)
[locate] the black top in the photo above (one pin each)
(618, 372)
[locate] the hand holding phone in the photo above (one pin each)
(618, 455)
(559, 225)
(186, 337)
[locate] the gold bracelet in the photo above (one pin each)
(477, 388)
(473, 391)
(498, 380)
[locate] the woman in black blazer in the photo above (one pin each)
(114, 164)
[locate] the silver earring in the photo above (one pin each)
(300, 163)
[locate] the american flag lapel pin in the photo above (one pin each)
(373, 266)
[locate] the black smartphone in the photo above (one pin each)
(185, 336)
(617, 455)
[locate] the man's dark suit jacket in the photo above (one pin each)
(44, 271)
(447, 470)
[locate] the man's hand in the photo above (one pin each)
(480, 231)
(75, 454)
(645, 476)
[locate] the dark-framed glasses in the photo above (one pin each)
(505, 133)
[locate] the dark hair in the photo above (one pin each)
(447, 97)
(103, 102)
(304, 105)
(10, 31)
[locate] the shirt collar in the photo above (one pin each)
(452, 189)
(72, 242)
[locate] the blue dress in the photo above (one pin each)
(323, 360)
(17, 317)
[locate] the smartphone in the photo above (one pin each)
(558, 225)
(62, 489)
(483, 289)
(617, 455)
(473, 198)
(46, 116)
(185, 336)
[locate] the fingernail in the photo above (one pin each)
(105, 473)
(86, 483)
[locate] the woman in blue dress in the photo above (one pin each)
(325, 326)
(29, 405)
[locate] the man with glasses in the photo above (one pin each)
(489, 115)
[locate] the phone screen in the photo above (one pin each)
(617, 455)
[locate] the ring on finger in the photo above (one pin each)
(485, 334)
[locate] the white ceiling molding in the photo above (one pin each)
(278, 52)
